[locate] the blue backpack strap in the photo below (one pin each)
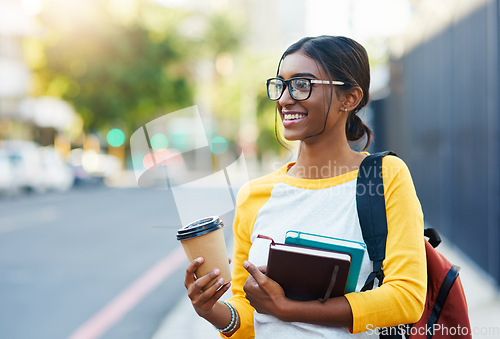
(371, 211)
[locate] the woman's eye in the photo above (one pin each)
(302, 85)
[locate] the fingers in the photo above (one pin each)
(192, 267)
(204, 301)
(202, 282)
(249, 284)
(259, 277)
(212, 294)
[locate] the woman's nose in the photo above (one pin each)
(286, 98)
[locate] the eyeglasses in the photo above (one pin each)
(299, 88)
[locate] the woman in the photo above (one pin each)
(321, 85)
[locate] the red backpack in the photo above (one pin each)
(445, 314)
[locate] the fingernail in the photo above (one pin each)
(220, 281)
(217, 271)
(246, 264)
(200, 259)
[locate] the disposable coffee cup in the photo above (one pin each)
(205, 238)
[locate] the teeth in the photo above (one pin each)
(294, 116)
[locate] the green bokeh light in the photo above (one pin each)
(115, 137)
(218, 145)
(159, 141)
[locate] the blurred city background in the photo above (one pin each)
(86, 253)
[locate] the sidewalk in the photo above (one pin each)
(483, 299)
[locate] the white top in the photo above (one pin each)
(329, 211)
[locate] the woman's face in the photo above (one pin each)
(305, 118)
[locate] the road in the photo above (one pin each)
(64, 258)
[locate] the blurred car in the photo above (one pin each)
(57, 175)
(35, 168)
(9, 184)
(25, 160)
(83, 177)
(91, 167)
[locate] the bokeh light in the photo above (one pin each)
(218, 145)
(115, 137)
(163, 157)
(159, 141)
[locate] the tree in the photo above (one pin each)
(116, 72)
(121, 63)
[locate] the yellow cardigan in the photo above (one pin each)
(400, 299)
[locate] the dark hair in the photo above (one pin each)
(345, 60)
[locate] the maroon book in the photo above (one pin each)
(308, 273)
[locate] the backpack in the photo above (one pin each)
(445, 314)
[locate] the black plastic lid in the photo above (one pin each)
(199, 227)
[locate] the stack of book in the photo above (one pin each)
(315, 267)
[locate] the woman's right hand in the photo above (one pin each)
(203, 301)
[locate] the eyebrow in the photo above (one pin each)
(301, 75)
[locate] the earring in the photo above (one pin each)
(345, 110)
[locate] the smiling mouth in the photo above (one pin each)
(293, 116)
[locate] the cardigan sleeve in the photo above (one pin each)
(401, 298)
(242, 229)
(251, 197)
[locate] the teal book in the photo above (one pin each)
(355, 249)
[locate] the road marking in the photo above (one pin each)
(109, 315)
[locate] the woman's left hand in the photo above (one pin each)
(264, 294)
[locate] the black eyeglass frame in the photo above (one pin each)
(311, 81)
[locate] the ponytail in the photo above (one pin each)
(355, 129)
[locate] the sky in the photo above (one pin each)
(359, 19)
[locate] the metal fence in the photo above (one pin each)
(443, 118)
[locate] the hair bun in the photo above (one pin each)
(355, 129)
